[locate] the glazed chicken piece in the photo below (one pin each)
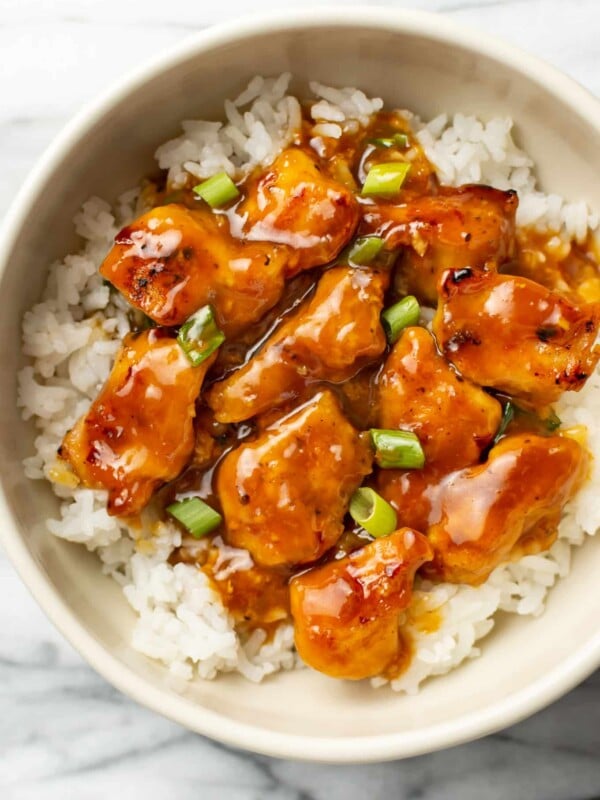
(411, 492)
(481, 516)
(126, 443)
(284, 496)
(515, 336)
(472, 226)
(419, 391)
(171, 261)
(331, 336)
(296, 204)
(346, 612)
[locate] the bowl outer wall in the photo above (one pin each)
(414, 59)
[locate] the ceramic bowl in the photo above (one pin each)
(413, 60)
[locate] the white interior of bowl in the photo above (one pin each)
(411, 60)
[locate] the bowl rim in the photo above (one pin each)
(508, 710)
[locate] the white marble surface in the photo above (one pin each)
(64, 732)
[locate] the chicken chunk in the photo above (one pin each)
(472, 226)
(330, 337)
(284, 496)
(481, 515)
(296, 204)
(126, 443)
(172, 260)
(411, 492)
(346, 612)
(515, 336)
(420, 392)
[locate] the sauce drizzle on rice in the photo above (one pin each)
(190, 618)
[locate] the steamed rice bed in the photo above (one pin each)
(72, 336)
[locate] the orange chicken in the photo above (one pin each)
(515, 336)
(472, 226)
(171, 261)
(480, 516)
(297, 204)
(330, 337)
(420, 392)
(126, 443)
(346, 612)
(284, 495)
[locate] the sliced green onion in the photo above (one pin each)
(385, 180)
(552, 421)
(218, 190)
(372, 512)
(507, 417)
(397, 140)
(199, 336)
(397, 449)
(195, 515)
(365, 250)
(399, 316)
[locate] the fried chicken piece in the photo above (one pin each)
(346, 612)
(330, 337)
(516, 336)
(483, 516)
(126, 443)
(472, 226)
(296, 204)
(411, 492)
(171, 261)
(420, 392)
(284, 496)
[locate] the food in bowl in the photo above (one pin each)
(323, 390)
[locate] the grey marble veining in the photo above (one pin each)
(64, 732)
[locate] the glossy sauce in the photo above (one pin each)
(348, 160)
(279, 439)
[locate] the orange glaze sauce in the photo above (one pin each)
(569, 267)
(259, 597)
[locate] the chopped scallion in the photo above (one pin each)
(365, 250)
(195, 515)
(552, 421)
(507, 417)
(199, 336)
(397, 140)
(372, 512)
(218, 190)
(399, 316)
(397, 449)
(385, 180)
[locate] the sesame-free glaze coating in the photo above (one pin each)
(284, 495)
(419, 391)
(516, 336)
(330, 337)
(139, 431)
(346, 612)
(470, 226)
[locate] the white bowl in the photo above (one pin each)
(415, 60)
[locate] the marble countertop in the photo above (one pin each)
(64, 732)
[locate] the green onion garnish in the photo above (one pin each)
(399, 316)
(397, 140)
(397, 449)
(385, 180)
(195, 515)
(218, 190)
(199, 336)
(552, 421)
(365, 250)
(507, 417)
(372, 512)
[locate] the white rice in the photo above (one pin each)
(72, 335)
